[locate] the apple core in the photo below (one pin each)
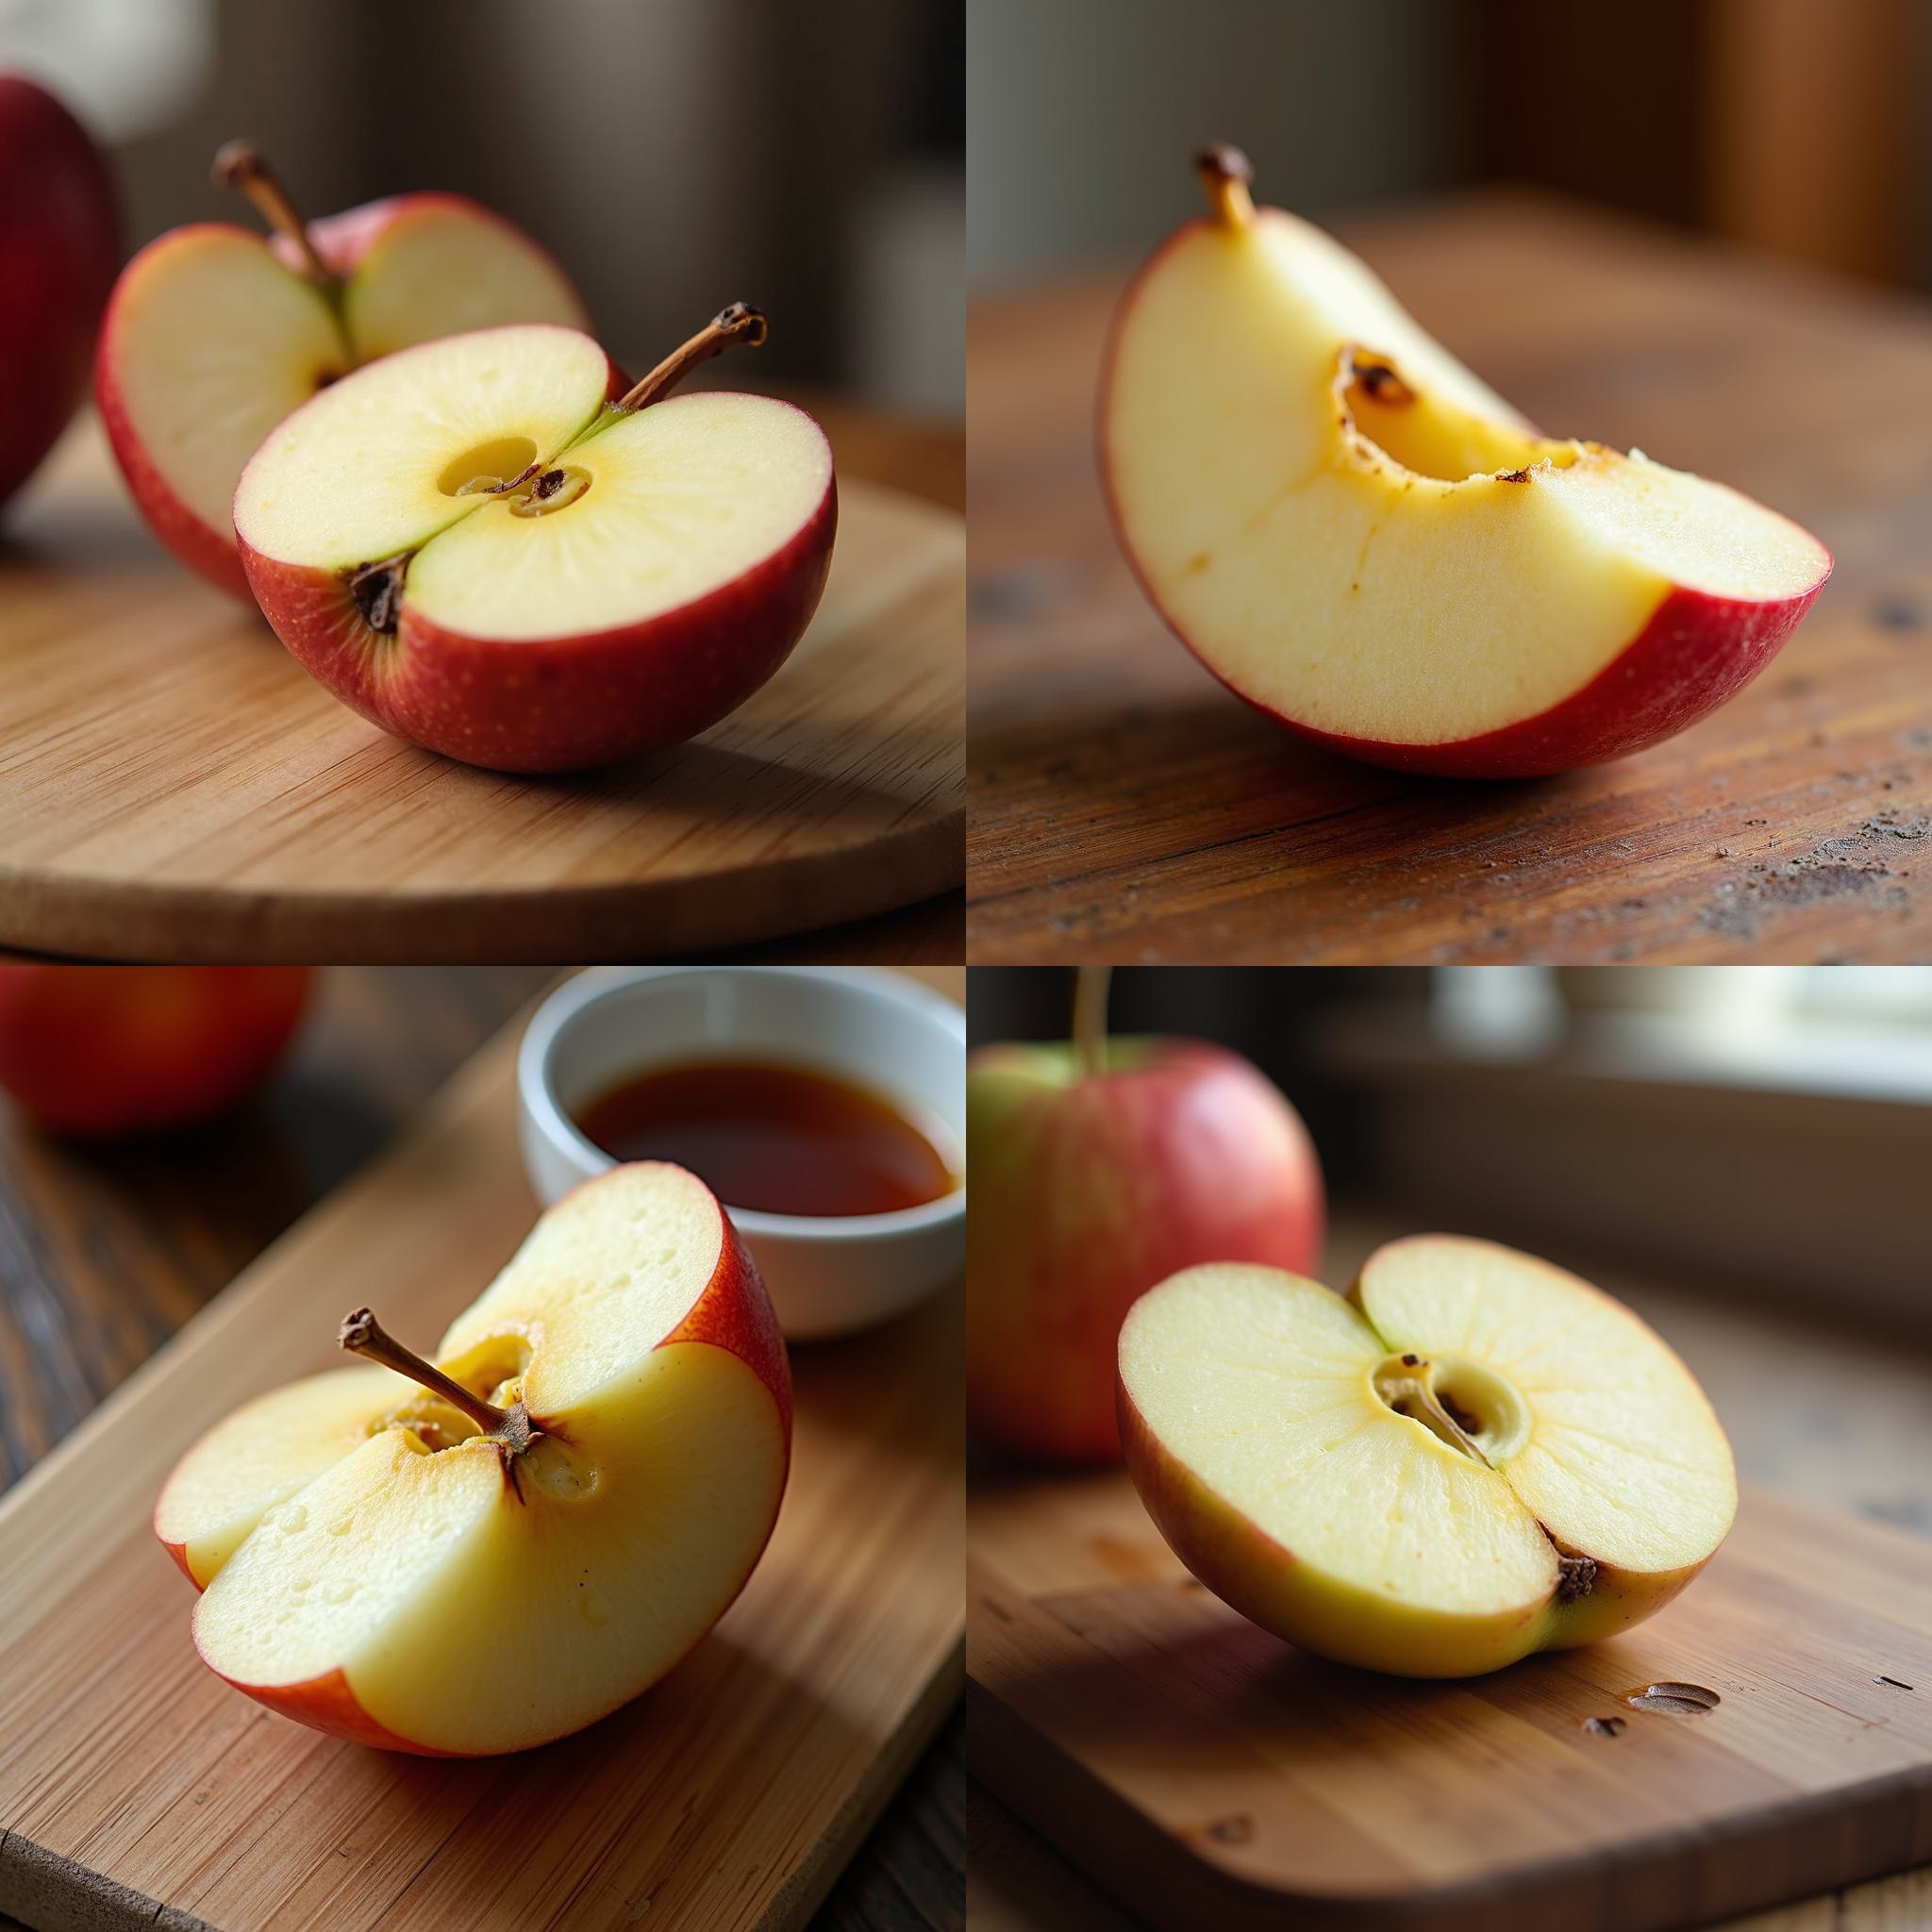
(488, 467)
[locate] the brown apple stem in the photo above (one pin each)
(362, 1333)
(1090, 1018)
(725, 330)
(1408, 1394)
(240, 165)
(1226, 173)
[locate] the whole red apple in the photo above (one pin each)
(1090, 1187)
(104, 1050)
(60, 247)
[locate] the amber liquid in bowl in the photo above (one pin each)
(773, 1139)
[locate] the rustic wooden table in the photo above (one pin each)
(1123, 807)
(1824, 1412)
(106, 1250)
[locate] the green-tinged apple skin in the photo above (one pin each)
(98, 1051)
(732, 1314)
(1272, 1585)
(1087, 1190)
(59, 245)
(342, 241)
(556, 705)
(1694, 652)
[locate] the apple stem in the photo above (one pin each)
(362, 1333)
(240, 166)
(1090, 1018)
(740, 323)
(1226, 173)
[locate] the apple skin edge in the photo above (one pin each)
(1696, 653)
(557, 704)
(733, 1312)
(208, 552)
(63, 238)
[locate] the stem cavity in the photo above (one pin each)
(362, 1333)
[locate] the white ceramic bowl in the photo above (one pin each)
(827, 1274)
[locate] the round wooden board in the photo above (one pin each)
(173, 785)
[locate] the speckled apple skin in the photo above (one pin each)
(1086, 1195)
(560, 704)
(733, 1312)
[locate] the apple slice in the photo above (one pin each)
(1472, 1456)
(465, 545)
(537, 1533)
(213, 333)
(1356, 535)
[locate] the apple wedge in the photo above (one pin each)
(536, 1533)
(214, 333)
(470, 543)
(1356, 535)
(1472, 1456)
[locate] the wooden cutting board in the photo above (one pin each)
(136, 1790)
(1212, 1777)
(174, 785)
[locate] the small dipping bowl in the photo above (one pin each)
(828, 1275)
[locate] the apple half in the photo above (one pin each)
(535, 1535)
(479, 545)
(1359, 537)
(214, 333)
(1471, 1457)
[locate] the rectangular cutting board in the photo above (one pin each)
(1210, 1775)
(174, 785)
(136, 1790)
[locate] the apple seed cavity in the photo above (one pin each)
(510, 1428)
(553, 489)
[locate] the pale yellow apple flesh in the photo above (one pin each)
(365, 1548)
(1472, 1456)
(1362, 538)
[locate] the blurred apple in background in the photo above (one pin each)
(59, 247)
(1099, 1169)
(104, 1050)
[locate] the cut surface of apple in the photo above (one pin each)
(215, 333)
(1361, 539)
(376, 1564)
(473, 546)
(1471, 1457)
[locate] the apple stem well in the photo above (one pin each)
(362, 1333)
(1225, 173)
(1089, 1019)
(240, 165)
(740, 323)
(1408, 1393)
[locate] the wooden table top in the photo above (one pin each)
(1123, 807)
(106, 1250)
(1832, 1414)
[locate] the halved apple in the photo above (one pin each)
(214, 333)
(1472, 1456)
(472, 545)
(538, 1532)
(1362, 540)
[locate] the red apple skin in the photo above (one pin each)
(1696, 653)
(561, 704)
(96, 1051)
(1090, 1191)
(60, 245)
(734, 1312)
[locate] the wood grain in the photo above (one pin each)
(174, 785)
(136, 1790)
(1123, 807)
(1206, 1773)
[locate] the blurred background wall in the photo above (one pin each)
(673, 153)
(1800, 126)
(1760, 1133)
